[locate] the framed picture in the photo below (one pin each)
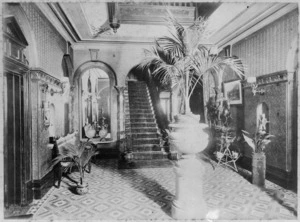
(233, 91)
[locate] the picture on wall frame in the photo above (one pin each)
(233, 91)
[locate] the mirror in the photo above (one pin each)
(95, 98)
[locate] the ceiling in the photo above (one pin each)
(144, 21)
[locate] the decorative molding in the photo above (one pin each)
(270, 15)
(40, 75)
(14, 65)
(272, 78)
(120, 89)
(48, 10)
(42, 186)
(274, 174)
(154, 14)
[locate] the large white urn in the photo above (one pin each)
(189, 137)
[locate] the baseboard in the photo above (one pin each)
(42, 186)
(278, 176)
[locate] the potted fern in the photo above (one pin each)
(79, 156)
(258, 143)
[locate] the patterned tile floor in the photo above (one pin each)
(148, 193)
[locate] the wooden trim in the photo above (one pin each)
(39, 74)
(278, 176)
(42, 186)
(267, 79)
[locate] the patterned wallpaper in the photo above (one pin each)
(275, 97)
(266, 50)
(50, 44)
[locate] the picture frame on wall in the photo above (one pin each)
(233, 91)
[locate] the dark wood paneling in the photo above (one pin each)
(17, 156)
(273, 174)
(42, 186)
(18, 137)
(10, 137)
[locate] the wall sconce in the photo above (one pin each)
(65, 88)
(252, 81)
(46, 113)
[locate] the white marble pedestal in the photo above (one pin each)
(189, 137)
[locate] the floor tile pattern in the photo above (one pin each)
(137, 194)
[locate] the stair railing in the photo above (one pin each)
(159, 115)
(128, 134)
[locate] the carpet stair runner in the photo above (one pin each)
(141, 123)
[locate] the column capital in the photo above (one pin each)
(120, 89)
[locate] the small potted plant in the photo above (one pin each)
(258, 143)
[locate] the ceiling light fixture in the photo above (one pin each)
(113, 13)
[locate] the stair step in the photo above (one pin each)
(144, 135)
(138, 124)
(148, 141)
(140, 115)
(144, 120)
(133, 107)
(142, 101)
(149, 155)
(143, 130)
(146, 148)
(142, 111)
(138, 95)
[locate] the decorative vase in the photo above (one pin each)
(82, 188)
(259, 169)
(90, 132)
(189, 137)
(103, 133)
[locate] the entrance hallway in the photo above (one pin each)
(137, 194)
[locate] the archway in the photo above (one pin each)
(197, 101)
(95, 98)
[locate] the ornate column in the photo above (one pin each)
(189, 137)
(121, 118)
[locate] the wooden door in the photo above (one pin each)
(17, 153)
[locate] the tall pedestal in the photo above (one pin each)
(189, 201)
(189, 137)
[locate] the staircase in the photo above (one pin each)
(141, 124)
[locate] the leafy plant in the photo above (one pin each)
(260, 138)
(76, 155)
(180, 60)
(226, 137)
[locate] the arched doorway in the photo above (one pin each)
(95, 98)
(197, 101)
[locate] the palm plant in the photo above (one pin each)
(180, 60)
(78, 155)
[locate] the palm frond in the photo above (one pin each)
(173, 45)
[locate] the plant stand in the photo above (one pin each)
(228, 158)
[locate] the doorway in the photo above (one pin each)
(17, 147)
(17, 153)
